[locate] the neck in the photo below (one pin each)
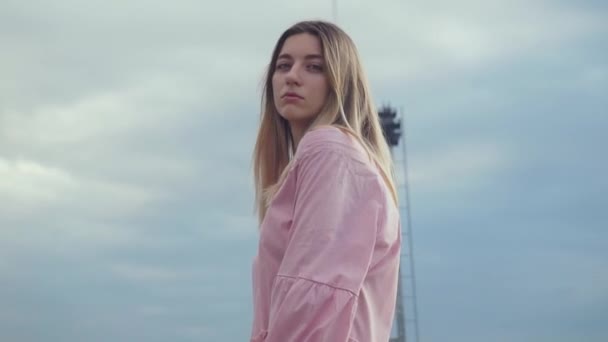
(297, 132)
(296, 135)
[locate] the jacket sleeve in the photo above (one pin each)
(331, 243)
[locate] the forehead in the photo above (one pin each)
(301, 45)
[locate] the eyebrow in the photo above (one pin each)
(288, 56)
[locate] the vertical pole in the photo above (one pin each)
(410, 240)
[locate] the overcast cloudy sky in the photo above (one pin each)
(126, 130)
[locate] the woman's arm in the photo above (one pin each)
(330, 248)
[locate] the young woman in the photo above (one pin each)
(328, 258)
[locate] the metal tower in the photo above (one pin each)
(405, 323)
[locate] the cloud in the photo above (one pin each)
(457, 166)
(422, 41)
(143, 273)
(125, 138)
(28, 186)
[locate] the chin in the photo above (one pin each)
(296, 115)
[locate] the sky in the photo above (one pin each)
(126, 132)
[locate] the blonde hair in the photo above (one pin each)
(349, 106)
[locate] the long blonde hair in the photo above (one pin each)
(349, 106)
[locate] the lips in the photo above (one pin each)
(291, 95)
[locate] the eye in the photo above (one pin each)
(282, 66)
(315, 67)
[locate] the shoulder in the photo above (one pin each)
(331, 140)
(328, 157)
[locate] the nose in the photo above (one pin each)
(293, 75)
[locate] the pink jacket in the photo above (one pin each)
(328, 257)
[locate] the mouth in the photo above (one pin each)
(291, 96)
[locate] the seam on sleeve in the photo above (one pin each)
(319, 283)
(344, 150)
(346, 158)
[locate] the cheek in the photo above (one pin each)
(321, 91)
(274, 80)
(276, 87)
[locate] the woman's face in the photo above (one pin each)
(299, 82)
